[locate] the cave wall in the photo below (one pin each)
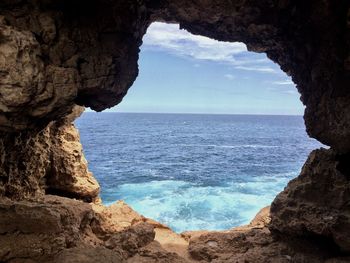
(57, 54)
(48, 161)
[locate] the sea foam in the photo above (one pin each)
(187, 206)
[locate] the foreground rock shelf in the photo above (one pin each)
(58, 54)
(59, 229)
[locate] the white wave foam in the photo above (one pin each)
(229, 146)
(187, 206)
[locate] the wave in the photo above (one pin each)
(189, 206)
(229, 146)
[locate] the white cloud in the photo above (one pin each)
(180, 42)
(229, 76)
(169, 38)
(291, 91)
(283, 90)
(283, 82)
(257, 68)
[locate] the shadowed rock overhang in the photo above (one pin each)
(57, 54)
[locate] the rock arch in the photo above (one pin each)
(55, 54)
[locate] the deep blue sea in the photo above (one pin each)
(194, 171)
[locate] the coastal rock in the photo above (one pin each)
(68, 174)
(50, 161)
(53, 55)
(255, 243)
(168, 246)
(155, 253)
(316, 203)
(262, 218)
(59, 229)
(39, 229)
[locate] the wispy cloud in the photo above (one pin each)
(169, 38)
(257, 68)
(283, 90)
(291, 92)
(283, 82)
(229, 76)
(180, 42)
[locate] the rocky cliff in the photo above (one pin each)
(57, 54)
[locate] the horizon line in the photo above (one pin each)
(195, 113)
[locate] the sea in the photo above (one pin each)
(194, 171)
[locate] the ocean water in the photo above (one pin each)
(194, 171)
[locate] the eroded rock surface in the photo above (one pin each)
(58, 229)
(55, 54)
(50, 160)
(256, 243)
(317, 201)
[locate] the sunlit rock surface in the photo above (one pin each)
(55, 54)
(47, 161)
(59, 229)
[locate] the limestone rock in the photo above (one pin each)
(255, 243)
(33, 163)
(40, 229)
(262, 218)
(55, 55)
(155, 253)
(117, 216)
(58, 229)
(69, 174)
(316, 203)
(88, 254)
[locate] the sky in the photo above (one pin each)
(184, 73)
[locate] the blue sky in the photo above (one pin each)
(184, 73)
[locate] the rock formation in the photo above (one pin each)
(48, 161)
(57, 54)
(317, 202)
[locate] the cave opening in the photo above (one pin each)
(207, 136)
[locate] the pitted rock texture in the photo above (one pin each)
(33, 163)
(68, 174)
(316, 203)
(54, 53)
(255, 243)
(57, 229)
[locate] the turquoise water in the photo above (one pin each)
(194, 171)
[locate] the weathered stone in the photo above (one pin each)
(255, 243)
(48, 161)
(317, 201)
(40, 229)
(55, 54)
(58, 229)
(68, 174)
(62, 53)
(155, 253)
